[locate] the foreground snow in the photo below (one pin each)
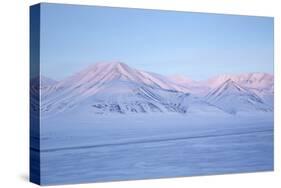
(120, 147)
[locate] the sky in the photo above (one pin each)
(195, 45)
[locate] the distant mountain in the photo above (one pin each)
(193, 86)
(117, 88)
(180, 79)
(253, 81)
(232, 98)
(262, 84)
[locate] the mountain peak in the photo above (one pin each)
(112, 64)
(230, 83)
(229, 86)
(118, 63)
(254, 80)
(119, 66)
(232, 97)
(116, 67)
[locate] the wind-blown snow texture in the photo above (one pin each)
(113, 122)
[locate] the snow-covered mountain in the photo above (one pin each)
(113, 87)
(180, 79)
(232, 98)
(262, 84)
(249, 80)
(117, 88)
(39, 84)
(195, 87)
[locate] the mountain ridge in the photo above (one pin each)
(232, 97)
(118, 88)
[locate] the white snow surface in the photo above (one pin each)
(80, 147)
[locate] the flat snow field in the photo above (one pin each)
(128, 147)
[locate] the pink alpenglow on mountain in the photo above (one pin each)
(106, 88)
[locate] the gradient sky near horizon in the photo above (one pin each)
(166, 42)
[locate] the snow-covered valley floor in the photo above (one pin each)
(125, 147)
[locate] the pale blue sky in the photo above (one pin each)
(166, 42)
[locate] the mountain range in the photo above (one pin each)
(105, 88)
